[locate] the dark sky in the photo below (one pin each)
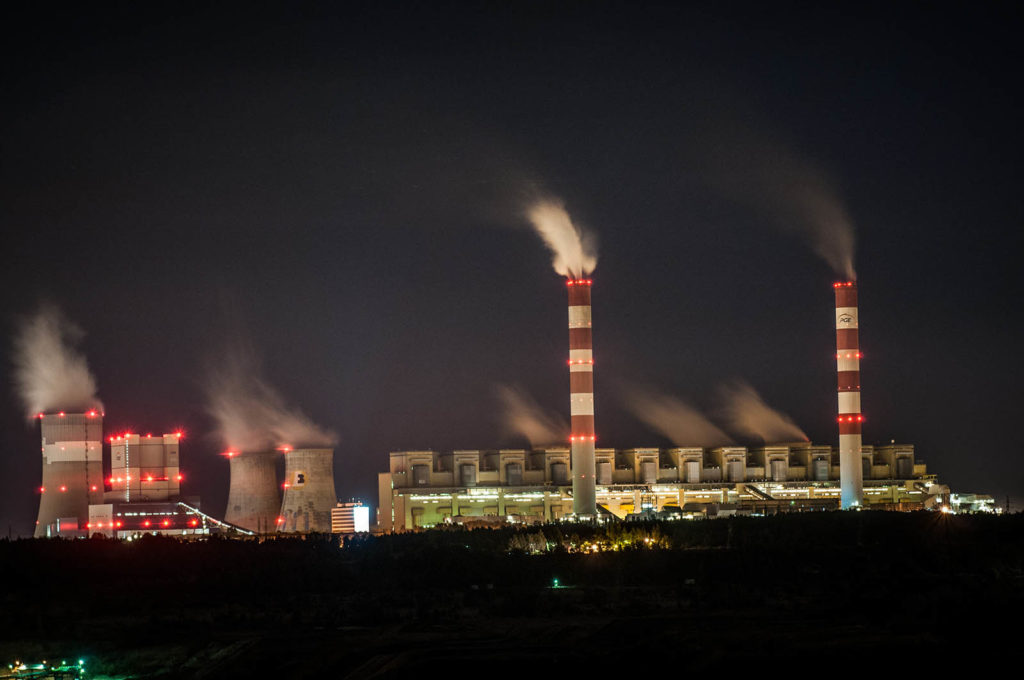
(345, 188)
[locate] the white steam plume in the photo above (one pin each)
(250, 415)
(49, 373)
(574, 249)
(792, 190)
(746, 415)
(523, 416)
(675, 419)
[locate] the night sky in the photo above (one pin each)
(345, 189)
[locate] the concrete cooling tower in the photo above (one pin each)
(72, 472)
(308, 491)
(254, 498)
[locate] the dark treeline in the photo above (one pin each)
(790, 587)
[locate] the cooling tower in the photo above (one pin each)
(581, 399)
(72, 471)
(308, 491)
(253, 500)
(851, 479)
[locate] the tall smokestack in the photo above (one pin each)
(254, 496)
(848, 365)
(574, 257)
(581, 398)
(72, 471)
(309, 492)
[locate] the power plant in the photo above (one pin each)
(309, 493)
(254, 498)
(142, 493)
(422, 489)
(72, 471)
(425, 488)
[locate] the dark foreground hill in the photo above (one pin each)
(833, 592)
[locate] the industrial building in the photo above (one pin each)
(124, 520)
(350, 518)
(144, 468)
(427, 488)
(142, 493)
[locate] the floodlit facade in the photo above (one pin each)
(350, 518)
(426, 488)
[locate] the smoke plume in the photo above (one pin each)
(792, 190)
(250, 415)
(573, 248)
(49, 372)
(746, 415)
(675, 419)
(524, 417)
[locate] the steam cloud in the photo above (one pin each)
(746, 415)
(523, 416)
(675, 419)
(250, 415)
(798, 195)
(574, 249)
(49, 373)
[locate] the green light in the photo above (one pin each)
(81, 662)
(554, 583)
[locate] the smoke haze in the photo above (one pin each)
(524, 417)
(747, 415)
(250, 415)
(675, 419)
(574, 249)
(49, 372)
(799, 196)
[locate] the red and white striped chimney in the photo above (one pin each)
(851, 479)
(581, 398)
